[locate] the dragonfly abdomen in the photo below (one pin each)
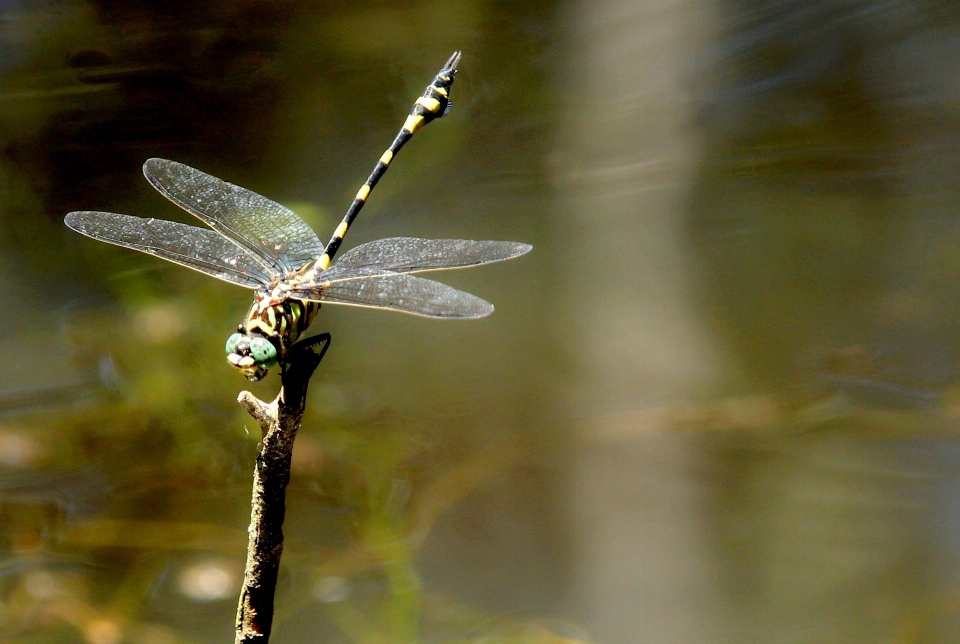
(433, 104)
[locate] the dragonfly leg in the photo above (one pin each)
(312, 344)
(306, 354)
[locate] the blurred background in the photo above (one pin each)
(717, 403)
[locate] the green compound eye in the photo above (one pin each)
(263, 352)
(232, 343)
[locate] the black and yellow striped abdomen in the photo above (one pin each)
(434, 103)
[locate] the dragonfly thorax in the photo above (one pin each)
(273, 324)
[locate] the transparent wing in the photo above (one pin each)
(197, 248)
(411, 255)
(274, 234)
(395, 291)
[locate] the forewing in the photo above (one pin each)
(395, 291)
(197, 248)
(411, 255)
(274, 234)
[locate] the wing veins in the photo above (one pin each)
(241, 241)
(399, 292)
(193, 247)
(415, 255)
(271, 233)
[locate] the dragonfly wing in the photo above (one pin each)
(411, 255)
(395, 291)
(274, 234)
(197, 248)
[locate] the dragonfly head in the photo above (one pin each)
(251, 354)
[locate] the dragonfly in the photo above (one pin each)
(261, 245)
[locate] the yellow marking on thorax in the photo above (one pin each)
(386, 158)
(259, 325)
(431, 104)
(363, 193)
(272, 316)
(413, 123)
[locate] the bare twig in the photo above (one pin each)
(279, 421)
